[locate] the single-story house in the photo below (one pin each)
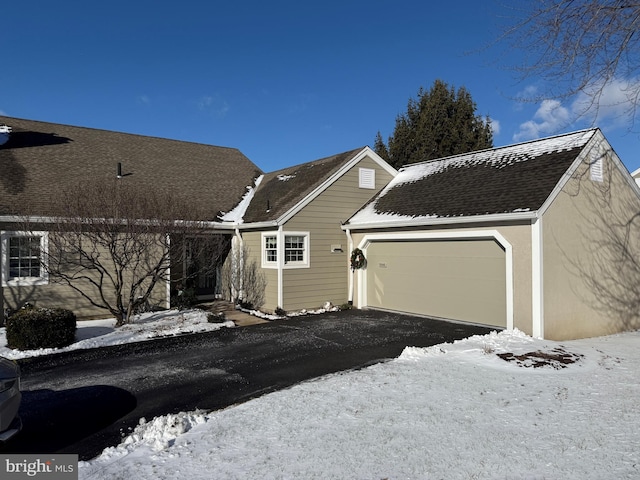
(538, 236)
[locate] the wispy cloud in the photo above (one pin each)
(550, 117)
(609, 106)
(213, 103)
(143, 99)
(612, 103)
(495, 126)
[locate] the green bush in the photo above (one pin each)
(33, 328)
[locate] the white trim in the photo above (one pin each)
(280, 262)
(365, 152)
(43, 279)
(349, 269)
(168, 276)
(424, 222)
(280, 269)
(472, 234)
(263, 251)
(537, 281)
(594, 142)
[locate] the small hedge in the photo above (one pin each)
(33, 328)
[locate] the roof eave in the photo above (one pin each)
(426, 222)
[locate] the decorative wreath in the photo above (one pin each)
(357, 259)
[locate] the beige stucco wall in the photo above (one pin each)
(518, 235)
(588, 285)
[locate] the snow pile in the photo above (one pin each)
(454, 411)
(158, 434)
(284, 178)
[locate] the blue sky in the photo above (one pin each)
(285, 82)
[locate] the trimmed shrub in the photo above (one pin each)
(33, 328)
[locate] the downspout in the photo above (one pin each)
(280, 246)
(1, 279)
(168, 276)
(537, 280)
(238, 269)
(351, 271)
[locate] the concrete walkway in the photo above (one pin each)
(240, 318)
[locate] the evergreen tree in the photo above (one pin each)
(438, 123)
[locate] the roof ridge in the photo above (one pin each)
(328, 157)
(4, 118)
(495, 149)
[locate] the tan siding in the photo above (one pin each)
(326, 279)
(58, 295)
(577, 229)
(253, 243)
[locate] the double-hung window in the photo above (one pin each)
(23, 257)
(294, 249)
(270, 248)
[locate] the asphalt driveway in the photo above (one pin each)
(83, 401)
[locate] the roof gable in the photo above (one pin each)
(279, 192)
(40, 159)
(517, 178)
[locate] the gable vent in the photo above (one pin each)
(367, 178)
(596, 167)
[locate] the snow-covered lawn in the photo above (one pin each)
(475, 409)
(100, 333)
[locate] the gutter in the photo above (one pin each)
(418, 222)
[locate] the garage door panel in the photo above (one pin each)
(461, 280)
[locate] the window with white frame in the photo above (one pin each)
(270, 243)
(23, 256)
(295, 250)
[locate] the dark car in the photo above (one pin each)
(10, 397)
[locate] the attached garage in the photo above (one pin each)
(454, 278)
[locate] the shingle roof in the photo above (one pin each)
(41, 159)
(282, 190)
(511, 179)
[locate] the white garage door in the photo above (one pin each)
(454, 279)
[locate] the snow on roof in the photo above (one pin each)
(237, 214)
(497, 158)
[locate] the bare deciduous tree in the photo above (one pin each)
(113, 244)
(243, 278)
(581, 47)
